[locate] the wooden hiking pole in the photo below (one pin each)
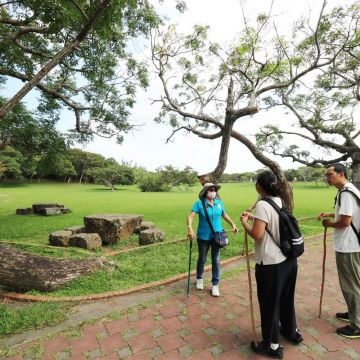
(323, 272)
(250, 287)
(243, 249)
(189, 273)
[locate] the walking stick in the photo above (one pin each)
(243, 249)
(188, 280)
(323, 273)
(250, 287)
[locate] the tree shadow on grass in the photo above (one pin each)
(13, 185)
(106, 189)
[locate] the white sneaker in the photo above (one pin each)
(200, 284)
(215, 290)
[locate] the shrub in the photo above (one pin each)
(153, 182)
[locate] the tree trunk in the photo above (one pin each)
(23, 271)
(81, 176)
(286, 193)
(215, 175)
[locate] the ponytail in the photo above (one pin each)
(267, 180)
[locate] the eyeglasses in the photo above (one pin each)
(327, 175)
(212, 190)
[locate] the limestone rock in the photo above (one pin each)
(23, 211)
(112, 227)
(38, 207)
(65, 210)
(144, 226)
(76, 229)
(49, 211)
(151, 236)
(86, 241)
(60, 238)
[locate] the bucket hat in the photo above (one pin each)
(206, 187)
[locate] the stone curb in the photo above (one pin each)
(86, 298)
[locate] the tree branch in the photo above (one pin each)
(195, 132)
(314, 161)
(80, 9)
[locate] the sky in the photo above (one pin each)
(146, 146)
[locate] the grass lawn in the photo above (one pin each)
(167, 210)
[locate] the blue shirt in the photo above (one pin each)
(215, 212)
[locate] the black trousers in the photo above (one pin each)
(276, 293)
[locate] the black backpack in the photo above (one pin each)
(291, 239)
(338, 197)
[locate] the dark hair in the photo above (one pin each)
(338, 168)
(267, 180)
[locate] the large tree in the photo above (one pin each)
(74, 53)
(83, 161)
(208, 89)
(326, 127)
(35, 137)
(10, 163)
(111, 175)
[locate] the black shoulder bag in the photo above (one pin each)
(220, 237)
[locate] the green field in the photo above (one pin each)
(167, 210)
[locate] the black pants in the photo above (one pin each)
(276, 292)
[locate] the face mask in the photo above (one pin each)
(211, 194)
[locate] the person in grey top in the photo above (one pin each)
(275, 274)
(346, 224)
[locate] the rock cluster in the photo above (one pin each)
(44, 209)
(107, 229)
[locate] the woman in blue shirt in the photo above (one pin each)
(205, 236)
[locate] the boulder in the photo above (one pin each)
(76, 229)
(49, 211)
(38, 207)
(151, 236)
(60, 238)
(144, 226)
(65, 210)
(86, 241)
(23, 211)
(112, 227)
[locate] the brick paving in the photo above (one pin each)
(210, 328)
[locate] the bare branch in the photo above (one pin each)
(314, 161)
(195, 132)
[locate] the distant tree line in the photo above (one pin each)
(303, 173)
(33, 149)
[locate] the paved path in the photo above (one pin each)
(208, 328)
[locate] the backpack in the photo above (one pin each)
(291, 239)
(338, 198)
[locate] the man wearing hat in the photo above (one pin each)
(209, 202)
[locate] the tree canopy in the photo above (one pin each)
(75, 53)
(326, 110)
(207, 88)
